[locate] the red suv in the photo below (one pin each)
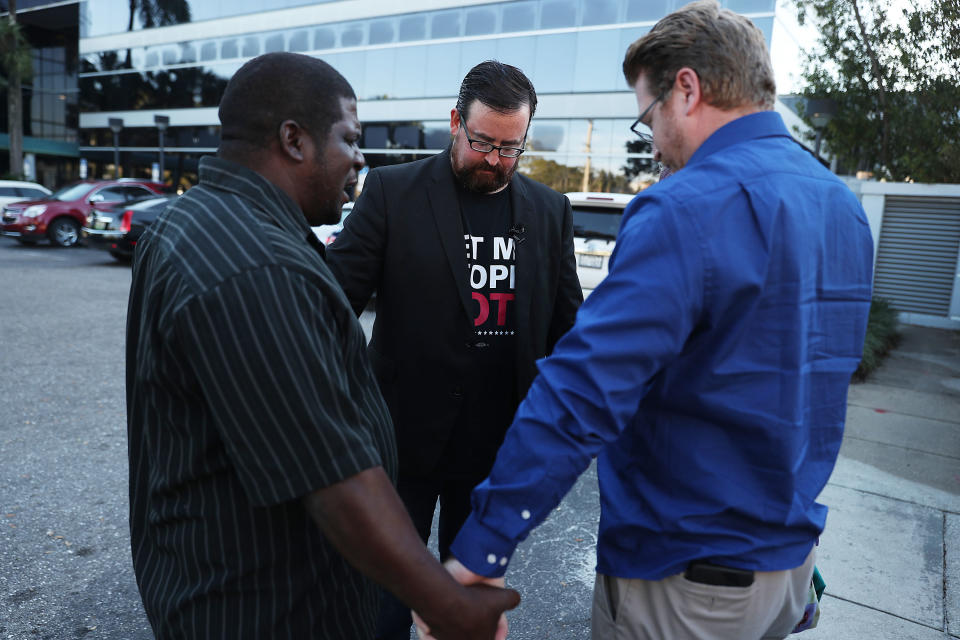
(60, 216)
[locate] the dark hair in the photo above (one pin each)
(275, 87)
(500, 86)
(728, 52)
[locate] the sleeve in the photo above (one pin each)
(273, 366)
(569, 293)
(589, 389)
(356, 258)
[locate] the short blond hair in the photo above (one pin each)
(727, 51)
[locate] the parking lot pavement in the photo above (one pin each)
(65, 567)
(889, 554)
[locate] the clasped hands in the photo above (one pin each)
(488, 595)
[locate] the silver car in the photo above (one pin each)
(596, 221)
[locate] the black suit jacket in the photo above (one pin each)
(404, 240)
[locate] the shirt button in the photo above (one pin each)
(492, 559)
(503, 561)
(525, 514)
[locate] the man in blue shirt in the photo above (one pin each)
(709, 371)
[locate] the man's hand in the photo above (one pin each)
(363, 517)
(476, 582)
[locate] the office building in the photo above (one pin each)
(404, 60)
(50, 96)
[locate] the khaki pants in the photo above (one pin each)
(677, 609)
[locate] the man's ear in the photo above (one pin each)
(687, 84)
(454, 121)
(292, 137)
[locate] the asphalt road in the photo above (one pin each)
(65, 568)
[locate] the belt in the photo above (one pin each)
(718, 575)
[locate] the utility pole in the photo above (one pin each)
(585, 185)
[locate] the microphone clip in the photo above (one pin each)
(517, 232)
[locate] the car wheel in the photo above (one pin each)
(64, 232)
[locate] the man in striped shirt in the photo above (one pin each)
(261, 452)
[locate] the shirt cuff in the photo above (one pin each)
(482, 549)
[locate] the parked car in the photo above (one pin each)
(15, 191)
(329, 232)
(596, 221)
(60, 216)
(117, 229)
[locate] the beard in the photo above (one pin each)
(481, 177)
(327, 206)
(672, 142)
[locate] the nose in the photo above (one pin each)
(493, 157)
(358, 160)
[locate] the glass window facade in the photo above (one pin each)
(50, 99)
(572, 61)
(565, 46)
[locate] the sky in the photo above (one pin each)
(790, 41)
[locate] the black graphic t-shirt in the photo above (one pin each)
(490, 396)
(491, 256)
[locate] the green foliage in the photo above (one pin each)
(882, 335)
(15, 55)
(563, 178)
(893, 75)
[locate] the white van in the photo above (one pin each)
(15, 191)
(596, 220)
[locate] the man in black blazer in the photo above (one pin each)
(475, 278)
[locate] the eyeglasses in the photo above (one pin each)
(487, 147)
(643, 135)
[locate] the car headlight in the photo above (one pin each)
(34, 211)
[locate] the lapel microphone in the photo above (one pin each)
(517, 232)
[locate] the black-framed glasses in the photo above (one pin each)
(487, 147)
(643, 135)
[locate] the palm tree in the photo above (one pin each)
(17, 65)
(157, 13)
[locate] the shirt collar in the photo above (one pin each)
(263, 194)
(763, 124)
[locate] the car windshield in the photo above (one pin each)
(72, 192)
(596, 222)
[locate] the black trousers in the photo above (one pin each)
(420, 496)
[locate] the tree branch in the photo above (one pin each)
(882, 94)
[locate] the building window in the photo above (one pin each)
(600, 12)
(381, 31)
(273, 43)
(228, 50)
(556, 14)
(352, 35)
(324, 38)
(519, 16)
(300, 41)
(481, 21)
(445, 24)
(647, 10)
(413, 28)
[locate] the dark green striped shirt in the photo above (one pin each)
(248, 387)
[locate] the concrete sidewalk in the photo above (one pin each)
(890, 553)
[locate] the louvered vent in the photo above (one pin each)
(917, 256)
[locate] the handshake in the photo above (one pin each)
(474, 612)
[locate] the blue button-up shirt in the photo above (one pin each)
(708, 372)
